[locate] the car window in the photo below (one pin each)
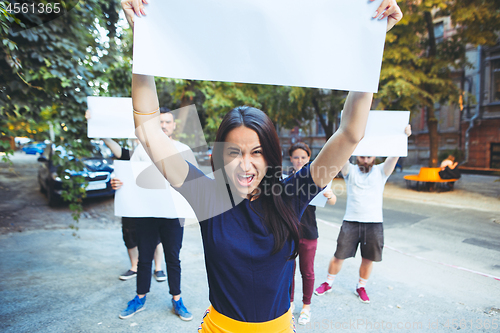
(99, 149)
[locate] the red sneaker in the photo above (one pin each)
(323, 288)
(363, 297)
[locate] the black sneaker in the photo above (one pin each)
(128, 275)
(160, 276)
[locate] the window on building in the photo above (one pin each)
(438, 31)
(495, 80)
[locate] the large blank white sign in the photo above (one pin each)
(110, 117)
(385, 134)
(334, 44)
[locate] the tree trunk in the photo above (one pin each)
(327, 127)
(432, 125)
(432, 122)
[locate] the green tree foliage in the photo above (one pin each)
(286, 106)
(311, 103)
(417, 70)
(46, 70)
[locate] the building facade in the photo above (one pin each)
(470, 127)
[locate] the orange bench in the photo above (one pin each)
(428, 176)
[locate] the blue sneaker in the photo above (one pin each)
(180, 310)
(134, 306)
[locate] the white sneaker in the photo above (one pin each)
(305, 317)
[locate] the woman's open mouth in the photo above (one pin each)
(245, 179)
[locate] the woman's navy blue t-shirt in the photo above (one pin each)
(246, 282)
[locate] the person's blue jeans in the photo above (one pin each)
(171, 233)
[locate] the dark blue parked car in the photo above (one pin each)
(34, 148)
(203, 157)
(98, 172)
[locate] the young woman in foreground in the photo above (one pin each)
(249, 216)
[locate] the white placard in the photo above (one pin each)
(320, 200)
(110, 117)
(334, 44)
(385, 134)
(132, 200)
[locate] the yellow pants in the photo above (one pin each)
(214, 322)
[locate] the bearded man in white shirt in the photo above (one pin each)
(363, 219)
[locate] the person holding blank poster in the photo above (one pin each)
(249, 216)
(169, 231)
(363, 219)
(300, 154)
(131, 224)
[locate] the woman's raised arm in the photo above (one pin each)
(158, 145)
(341, 145)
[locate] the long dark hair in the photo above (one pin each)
(279, 217)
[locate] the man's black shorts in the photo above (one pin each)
(370, 236)
(129, 230)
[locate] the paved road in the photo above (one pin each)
(419, 280)
(54, 282)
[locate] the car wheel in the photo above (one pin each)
(53, 199)
(42, 189)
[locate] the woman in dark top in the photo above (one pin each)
(249, 217)
(300, 154)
